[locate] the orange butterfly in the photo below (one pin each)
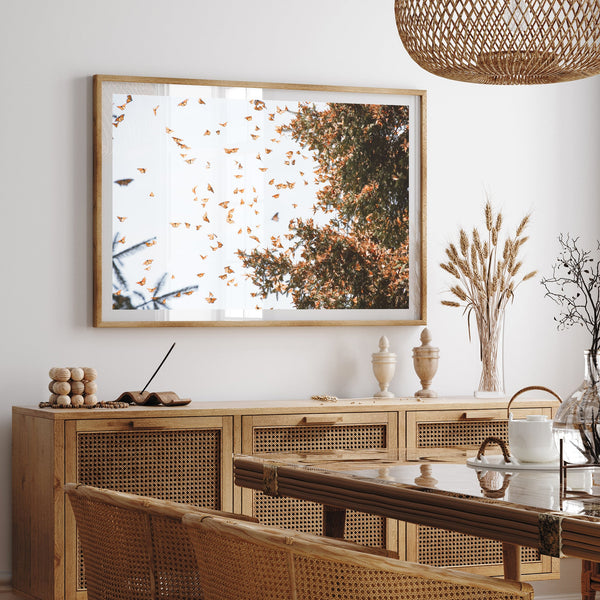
(211, 298)
(183, 102)
(210, 188)
(128, 99)
(168, 130)
(229, 218)
(230, 150)
(141, 170)
(194, 190)
(271, 116)
(200, 274)
(238, 176)
(258, 156)
(149, 261)
(224, 204)
(118, 292)
(121, 218)
(198, 227)
(119, 118)
(212, 236)
(187, 225)
(152, 243)
(152, 194)
(205, 218)
(123, 182)
(229, 270)
(275, 217)
(155, 109)
(218, 132)
(254, 137)
(175, 224)
(272, 182)
(203, 256)
(189, 293)
(253, 237)
(268, 150)
(189, 161)
(200, 101)
(121, 241)
(248, 118)
(275, 195)
(207, 132)
(263, 169)
(142, 281)
(122, 107)
(224, 276)
(223, 124)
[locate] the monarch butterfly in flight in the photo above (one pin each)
(123, 182)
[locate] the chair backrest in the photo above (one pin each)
(134, 547)
(247, 561)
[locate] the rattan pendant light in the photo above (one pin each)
(502, 41)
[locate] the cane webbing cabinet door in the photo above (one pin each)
(328, 436)
(186, 459)
(443, 548)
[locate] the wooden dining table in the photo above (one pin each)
(436, 487)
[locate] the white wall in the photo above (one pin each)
(533, 148)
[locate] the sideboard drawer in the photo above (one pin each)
(186, 460)
(461, 428)
(334, 435)
(441, 548)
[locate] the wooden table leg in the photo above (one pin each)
(588, 568)
(511, 557)
(334, 521)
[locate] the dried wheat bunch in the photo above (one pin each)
(487, 273)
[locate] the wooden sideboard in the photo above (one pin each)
(185, 454)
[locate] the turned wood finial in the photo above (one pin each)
(384, 366)
(425, 360)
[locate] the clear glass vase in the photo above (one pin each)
(491, 350)
(577, 420)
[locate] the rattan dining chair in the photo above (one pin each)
(247, 561)
(134, 547)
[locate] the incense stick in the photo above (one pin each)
(158, 369)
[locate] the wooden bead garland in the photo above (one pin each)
(72, 387)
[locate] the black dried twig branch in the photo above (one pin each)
(575, 286)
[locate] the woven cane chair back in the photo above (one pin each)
(135, 548)
(247, 561)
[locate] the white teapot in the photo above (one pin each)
(531, 440)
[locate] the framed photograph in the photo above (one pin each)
(256, 204)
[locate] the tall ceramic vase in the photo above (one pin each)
(491, 348)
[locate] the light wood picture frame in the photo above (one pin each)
(220, 203)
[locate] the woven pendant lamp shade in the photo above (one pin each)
(502, 41)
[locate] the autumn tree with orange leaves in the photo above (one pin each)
(360, 258)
